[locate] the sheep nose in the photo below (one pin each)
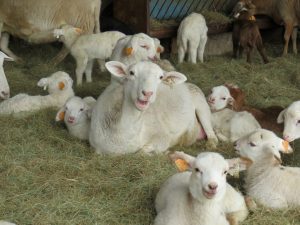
(147, 93)
(213, 186)
(286, 138)
(5, 94)
(235, 144)
(211, 100)
(71, 119)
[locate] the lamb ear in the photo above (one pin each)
(116, 68)
(280, 118)
(173, 77)
(230, 101)
(183, 161)
(5, 57)
(60, 115)
(238, 164)
(43, 83)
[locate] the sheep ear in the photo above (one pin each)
(278, 160)
(5, 57)
(182, 161)
(238, 164)
(231, 101)
(285, 147)
(173, 77)
(78, 30)
(43, 83)
(60, 115)
(280, 118)
(90, 101)
(117, 69)
(160, 49)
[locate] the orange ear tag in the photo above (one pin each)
(181, 164)
(128, 51)
(285, 145)
(61, 115)
(61, 85)
(78, 30)
(252, 18)
(158, 50)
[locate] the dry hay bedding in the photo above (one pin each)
(48, 177)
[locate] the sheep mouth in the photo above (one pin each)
(142, 104)
(209, 194)
(153, 59)
(71, 120)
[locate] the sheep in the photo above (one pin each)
(4, 87)
(87, 47)
(291, 119)
(76, 114)
(2, 222)
(192, 38)
(59, 86)
(134, 48)
(200, 196)
(232, 96)
(266, 181)
(230, 125)
(126, 117)
(246, 35)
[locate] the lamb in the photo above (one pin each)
(76, 114)
(134, 48)
(269, 183)
(2, 222)
(150, 111)
(4, 87)
(232, 96)
(87, 47)
(246, 35)
(200, 196)
(291, 119)
(59, 86)
(192, 38)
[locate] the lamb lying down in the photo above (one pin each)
(59, 87)
(76, 114)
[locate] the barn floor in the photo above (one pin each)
(48, 177)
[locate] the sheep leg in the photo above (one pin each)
(262, 52)
(201, 48)
(60, 56)
(241, 50)
(181, 53)
(294, 39)
(88, 71)
(249, 51)
(81, 63)
(156, 145)
(287, 34)
(192, 52)
(235, 40)
(4, 41)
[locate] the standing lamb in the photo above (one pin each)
(4, 87)
(151, 111)
(269, 183)
(199, 197)
(192, 37)
(85, 48)
(76, 114)
(59, 87)
(291, 119)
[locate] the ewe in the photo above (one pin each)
(4, 87)
(192, 37)
(291, 119)
(150, 111)
(199, 197)
(76, 114)
(268, 182)
(87, 47)
(59, 86)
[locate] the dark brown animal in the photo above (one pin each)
(246, 35)
(283, 12)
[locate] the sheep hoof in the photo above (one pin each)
(251, 205)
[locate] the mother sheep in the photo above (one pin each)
(34, 20)
(151, 111)
(283, 12)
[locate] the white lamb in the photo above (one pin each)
(59, 87)
(87, 47)
(76, 114)
(2, 222)
(151, 111)
(4, 87)
(291, 119)
(192, 38)
(269, 183)
(200, 197)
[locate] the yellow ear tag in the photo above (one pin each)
(285, 146)
(128, 51)
(252, 18)
(78, 30)
(181, 164)
(61, 115)
(61, 85)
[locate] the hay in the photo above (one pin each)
(213, 17)
(48, 177)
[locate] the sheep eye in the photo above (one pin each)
(161, 77)
(298, 121)
(144, 46)
(81, 109)
(131, 73)
(252, 144)
(198, 170)
(223, 99)
(225, 172)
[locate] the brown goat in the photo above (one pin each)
(283, 12)
(267, 117)
(246, 35)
